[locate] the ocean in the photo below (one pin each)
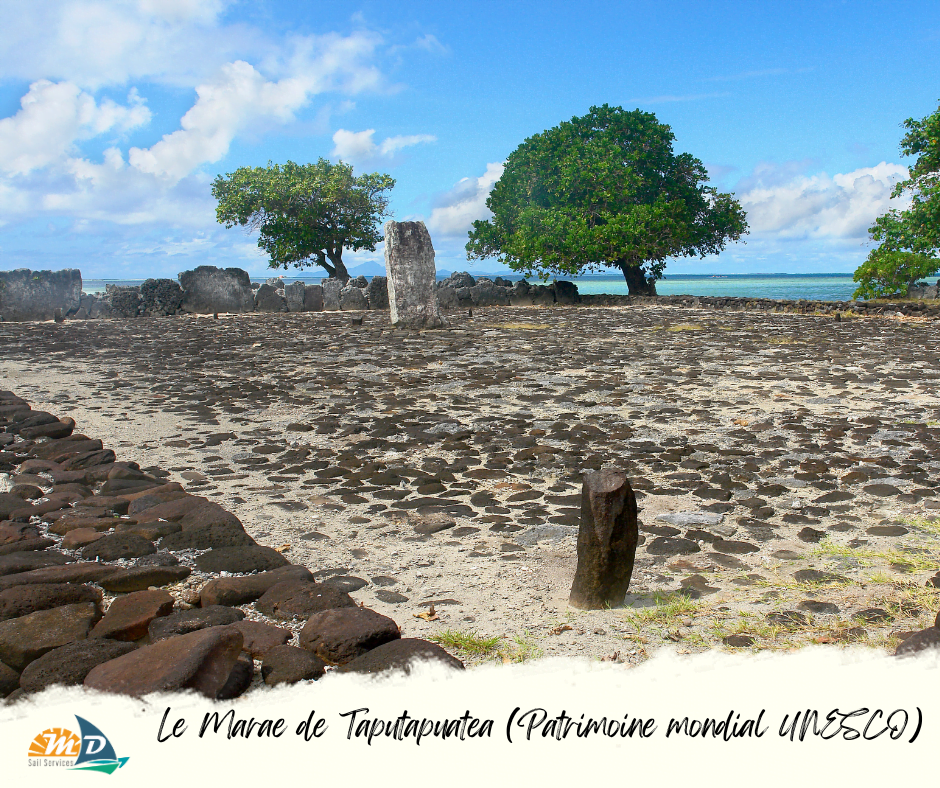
(814, 287)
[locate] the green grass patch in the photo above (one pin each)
(922, 525)
(467, 642)
(666, 609)
(471, 644)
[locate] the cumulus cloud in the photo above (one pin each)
(359, 147)
(53, 117)
(94, 43)
(223, 107)
(455, 211)
(782, 203)
(43, 169)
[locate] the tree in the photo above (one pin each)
(306, 213)
(888, 273)
(910, 239)
(604, 190)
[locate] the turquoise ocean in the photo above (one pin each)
(814, 287)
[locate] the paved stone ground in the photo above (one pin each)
(786, 466)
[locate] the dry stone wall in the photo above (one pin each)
(44, 295)
(116, 579)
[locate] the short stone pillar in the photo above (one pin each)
(607, 540)
(409, 263)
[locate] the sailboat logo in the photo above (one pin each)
(91, 752)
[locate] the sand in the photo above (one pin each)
(748, 416)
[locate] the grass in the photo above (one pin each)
(685, 327)
(912, 561)
(666, 610)
(472, 644)
(923, 525)
(467, 642)
(912, 601)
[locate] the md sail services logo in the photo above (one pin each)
(60, 747)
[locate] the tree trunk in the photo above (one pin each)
(637, 283)
(339, 271)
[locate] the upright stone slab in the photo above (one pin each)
(607, 540)
(294, 295)
(38, 295)
(313, 298)
(331, 289)
(207, 290)
(409, 263)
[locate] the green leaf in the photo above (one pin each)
(604, 190)
(306, 214)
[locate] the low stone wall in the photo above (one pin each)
(44, 295)
(926, 309)
(114, 578)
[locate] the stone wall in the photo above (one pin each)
(39, 295)
(924, 290)
(119, 580)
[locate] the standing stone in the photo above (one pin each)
(36, 295)
(313, 298)
(269, 299)
(160, 297)
(294, 295)
(607, 540)
(331, 290)
(409, 262)
(353, 298)
(207, 290)
(377, 292)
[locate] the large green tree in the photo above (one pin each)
(604, 190)
(910, 239)
(306, 213)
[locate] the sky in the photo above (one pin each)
(116, 115)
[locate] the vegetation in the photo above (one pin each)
(474, 645)
(306, 213)
(604, 190)
(910, 239)
(889, 273)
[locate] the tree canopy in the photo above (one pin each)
(888, 272)
(306, 213)
(604, 190)
(910, 239)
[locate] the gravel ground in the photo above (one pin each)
(786, 466)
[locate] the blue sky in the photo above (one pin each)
(115, 116)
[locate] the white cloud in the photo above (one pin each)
(456, 210)
(223, 107)
(43, 169)
(94, 43)
(430, 43)
(783, 204)
(358, 147)
(53, 117)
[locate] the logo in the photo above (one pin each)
(60, 747)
